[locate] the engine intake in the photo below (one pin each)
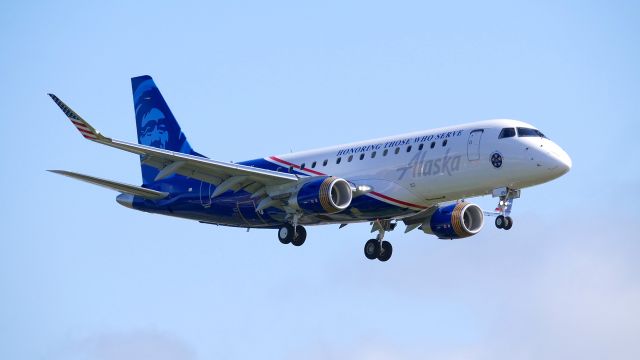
(323, 195)
(455, 221)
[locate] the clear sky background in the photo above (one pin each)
(84, 278)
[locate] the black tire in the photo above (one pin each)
(500, 222)
(301, 236)
(385, 251)
(372, 249)
(285, 233)
(508, 223)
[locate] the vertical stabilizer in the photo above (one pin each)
(156, 124)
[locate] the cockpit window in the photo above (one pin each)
(527, 132)
(507, 132)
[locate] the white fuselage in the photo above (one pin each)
(425, 168)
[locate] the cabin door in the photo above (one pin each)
(473, 145)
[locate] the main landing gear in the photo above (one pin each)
(506, 195)
(378, 248)
(287, 234)
(292, 233)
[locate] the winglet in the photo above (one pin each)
(88, 131)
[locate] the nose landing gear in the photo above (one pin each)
(504, 222)
(506, 195)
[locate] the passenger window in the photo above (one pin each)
(433, 144)
(444, 143)
(397, 150)
(324, 163)
(385, 152)
(373, 154)
(420, 147)
(409, 148)
(350, 158)
(313, 164)
(507, 133)
(302, 166)
(338, 160)
(361, 156)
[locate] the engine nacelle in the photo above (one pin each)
(455, 221)
(322, 195)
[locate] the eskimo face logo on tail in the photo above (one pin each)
(156, 125)
(154, 129)
(420, 167)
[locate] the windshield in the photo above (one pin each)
(525, 132)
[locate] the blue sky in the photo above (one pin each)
(84, 278)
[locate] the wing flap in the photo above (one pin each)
(114, 185)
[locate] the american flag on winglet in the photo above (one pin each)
(85, 129)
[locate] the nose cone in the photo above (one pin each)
(559, 162)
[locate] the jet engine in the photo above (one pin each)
(454, 221)
(322, 195)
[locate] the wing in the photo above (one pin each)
(226, 176)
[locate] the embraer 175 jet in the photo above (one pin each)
(420, 178)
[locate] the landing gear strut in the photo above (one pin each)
(506, 195)
(377, 248)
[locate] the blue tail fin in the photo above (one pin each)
(155, 123)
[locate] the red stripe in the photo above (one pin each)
(388, 198)
(80, 126)
(78, 123)
(397, 201)
(295, 166)
(90, 137)
(83, 128)
(85, 131)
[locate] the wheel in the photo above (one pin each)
(301, 236)
(500, 222)
(385, 251)
(285, 233)
(372, 249)
(508, 223)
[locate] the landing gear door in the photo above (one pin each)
(206, 190)
(473, 145)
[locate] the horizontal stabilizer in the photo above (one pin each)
(114, 185)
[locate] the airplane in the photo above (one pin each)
(421, 179)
